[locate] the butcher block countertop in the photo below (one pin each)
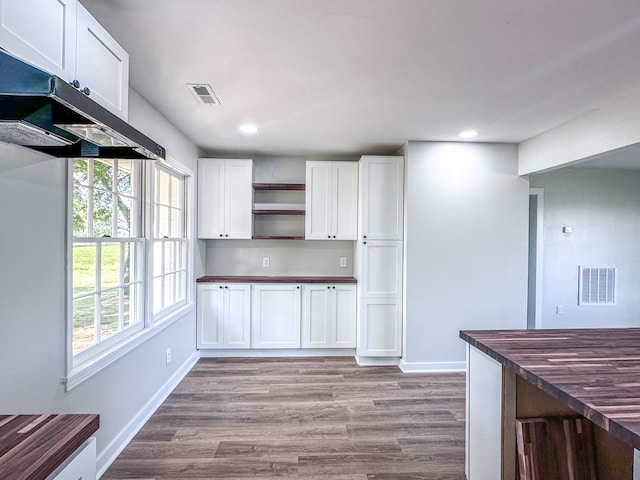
(33, 446)
(264, 279)
(596, 372)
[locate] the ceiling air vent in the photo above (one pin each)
(204, 93)
(597, 286)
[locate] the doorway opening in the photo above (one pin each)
(534, 291)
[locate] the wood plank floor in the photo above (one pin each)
(302, 419)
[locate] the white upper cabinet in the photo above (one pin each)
(42, 33)
(225, 198)
(62, 38)
(102, 66)
(381, 196)
(331, 200)
(329, 316)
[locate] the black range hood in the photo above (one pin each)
(41, 111)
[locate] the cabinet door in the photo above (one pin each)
(317, 316)
(318, 217)
(380, 332)
(210, 316)
(211, 208)
(275, 316)
(80, 465)
(345, 201)
(381, 269)
(344, 325)
(237, 316)
(41, 32)
(102, 65)
(382, 197)
(238, 198)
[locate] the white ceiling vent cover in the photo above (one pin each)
(597, 286)
(204, 93)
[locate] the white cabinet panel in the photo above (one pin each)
(380, 327)
(381, 273)
(329, 316)
(225, 198)
(331, 200)
(345, 194)
(224, 315)
(81, 465)
(238, 178)
(484, 416)
(275, 316)
(41, 32)
(382, 197)
(237, 316)
(102, 65)
(210, 315)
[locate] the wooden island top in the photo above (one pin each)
(33, 446)
(596, 372)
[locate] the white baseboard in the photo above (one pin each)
(377, 361)
(288, 353)
(111, 452)
(432, 367)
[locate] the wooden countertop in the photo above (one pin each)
(33, 446)
(264, 279)
(596, 372)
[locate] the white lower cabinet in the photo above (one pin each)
(224, 315)
(380, 332)
(275, 316)
(328, 316)
(81, 465)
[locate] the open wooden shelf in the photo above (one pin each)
(279, 186)
(278, 212)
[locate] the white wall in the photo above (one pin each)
(466, 247)
(32, 300)
(602, 208)
(608, 128)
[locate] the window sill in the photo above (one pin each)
(87, 369)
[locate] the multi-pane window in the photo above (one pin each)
(128, 253)
(169, 241)
(108, 252)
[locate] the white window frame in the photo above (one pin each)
(82, 367)
(161, 314)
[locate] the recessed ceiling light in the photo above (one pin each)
(468, 134)
(248, 128)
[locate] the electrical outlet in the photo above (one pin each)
(343, 262)
(266, 262)
(559, 310)
(168, 356)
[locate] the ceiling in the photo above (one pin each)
(349, 77)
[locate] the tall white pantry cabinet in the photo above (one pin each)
(379, 256)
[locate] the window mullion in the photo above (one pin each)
(98, 295)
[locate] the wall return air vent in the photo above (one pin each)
(204, 93)
(597, 286)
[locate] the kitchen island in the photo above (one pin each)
(514, 374)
